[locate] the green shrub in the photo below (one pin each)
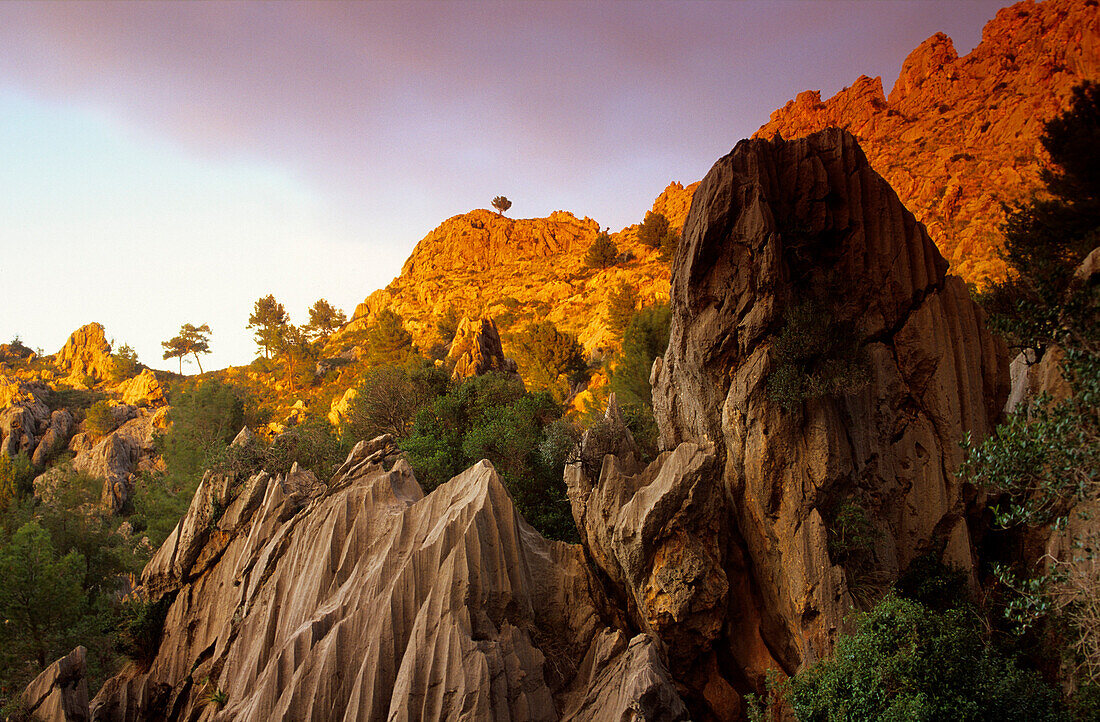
(16, 477)
(521, 433)
(814, 355)
(653, 230)
(602, 253)
(621, 305)
(389, 342)
(124, 364)
(447, 325)
(908, 662)
(389, 397)
(141, 627)
(644, 339)
(99, 421)
(549, 358)
(204, 416)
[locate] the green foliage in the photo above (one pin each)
(669, 245)
(389, 397)
(653, 229)
(270, 320)
(99, 421)
(548, 357)
(852, 536)
(313, 446)
(124, 364)
(644, 339)
(40, 595)
(447, 325)
(1046, 456)
(621, 305)
(16, 477)
(493, 417)
(1047, 238)
(140, 627)
(814, 355)
(389, 342)
(324, 320)
(908, 662)
(602, 253)
(204, 417)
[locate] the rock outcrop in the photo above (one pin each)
(476, 350)
(60, 692)
(24, 416)
(86, 355)
(364, 599)
(143, 390)
(774, 226)
(517, 271)
(959, 136)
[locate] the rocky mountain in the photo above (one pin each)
(957, 137)
(515, 271)
(360, 597)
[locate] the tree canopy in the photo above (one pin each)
(502, 204)
(192, 339)
(324, 319)
(270, 320)
(602, 253)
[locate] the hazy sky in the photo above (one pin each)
(165, 163)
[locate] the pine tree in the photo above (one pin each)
(270, 319)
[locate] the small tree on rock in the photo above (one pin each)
(192, 339)
(175, 348)
(501, 203)
(602, 253)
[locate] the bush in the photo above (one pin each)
(389, 397)
(447, 325)
(814, 355)
(621, 305)
(141, 627)
(389, 342)
(124, 364)
(644, 339)
(16, 477)
(908, 662)
(653, 230)
(521, 433)
(204, 418)
(545, 355)
(99, 421)
(602, 253)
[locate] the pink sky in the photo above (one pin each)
(372, 123)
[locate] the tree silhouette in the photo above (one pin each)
(270, 319)
(501, 203)
(602, 253)
(192, 339)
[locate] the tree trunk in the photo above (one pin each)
(181, 364)
(198, 362)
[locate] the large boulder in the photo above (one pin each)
(728, 547)
(24, 416)
(117, 457)
(291, 598)
(86, 355)
(143, 390)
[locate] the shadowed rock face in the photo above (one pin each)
(60, 693)
(775, 225)
(366, 600)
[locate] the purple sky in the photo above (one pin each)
(346, 131)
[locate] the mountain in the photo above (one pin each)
(957, 137)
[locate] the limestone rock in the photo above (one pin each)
(476, 350)
(143, 390)
(774, 225)
(56, 437)
(338, 410)
(60, 692)
(24, 416)
(367, 597)
(959, 137)
(86, 354)
(115, 458)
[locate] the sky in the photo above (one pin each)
(169, 163)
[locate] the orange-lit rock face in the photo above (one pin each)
(519, 271)
(957, 137)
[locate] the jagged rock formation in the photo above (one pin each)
(774, 225)
(476, 350)
(86, 355)
(60, 693)
(24, 416)
(957, 137)
(516, 271)
(364, 599)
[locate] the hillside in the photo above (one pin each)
(517, 271)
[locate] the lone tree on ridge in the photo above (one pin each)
(501, 203)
